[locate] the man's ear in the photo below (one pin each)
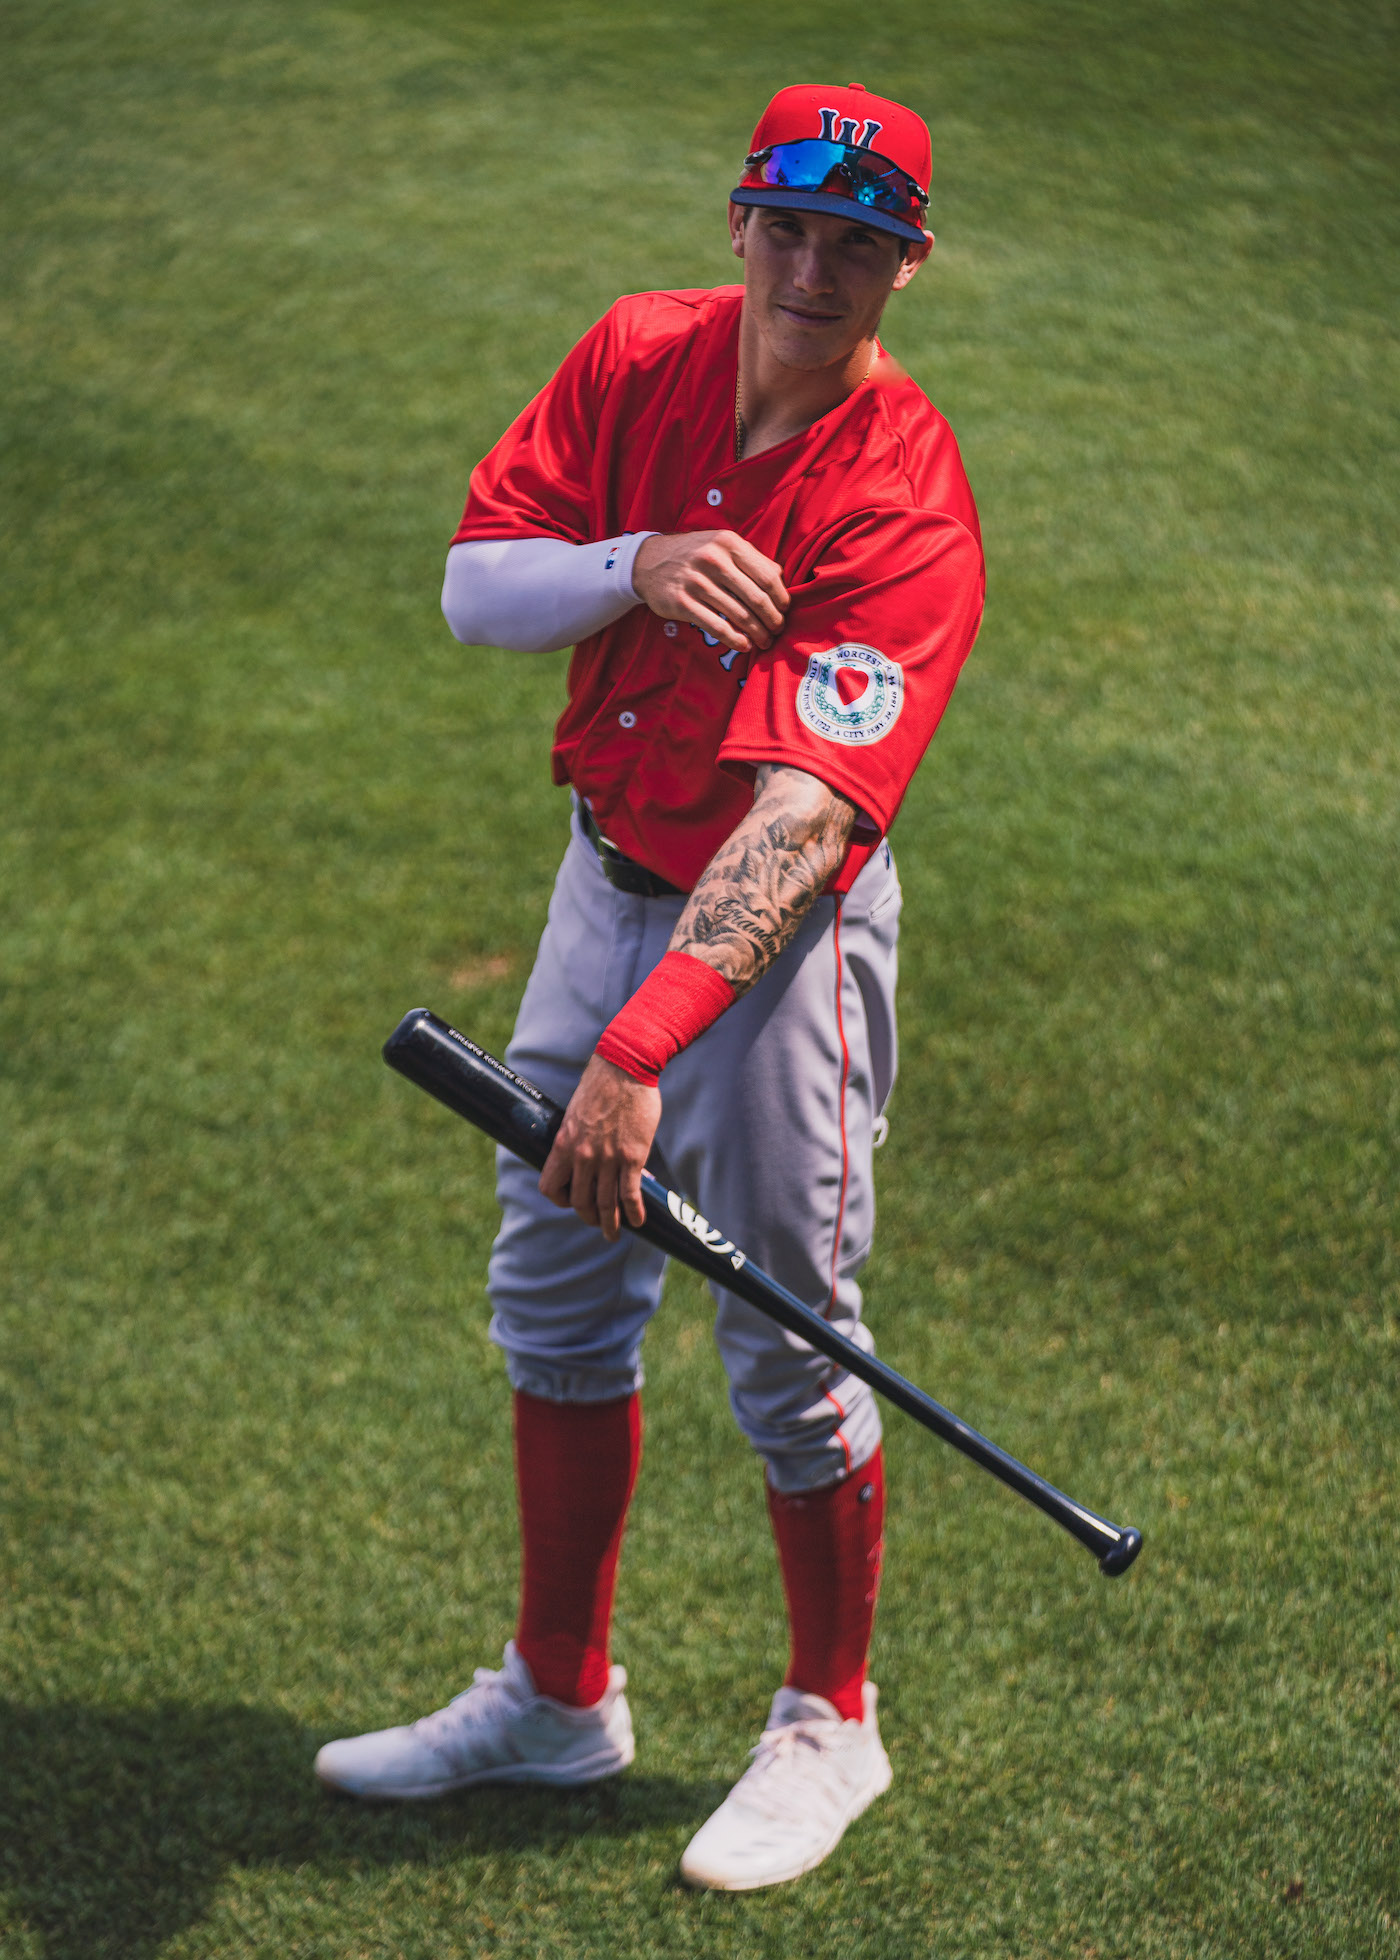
(913, 259)
(738, 213)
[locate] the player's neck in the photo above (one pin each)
(779, 402)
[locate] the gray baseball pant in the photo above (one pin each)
(768, 1122)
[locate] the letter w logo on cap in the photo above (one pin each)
(837, 128)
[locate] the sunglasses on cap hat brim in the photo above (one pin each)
(818, 176)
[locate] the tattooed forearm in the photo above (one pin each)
(759, 885)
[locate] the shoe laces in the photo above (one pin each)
(780, 1780)
(490, 1694)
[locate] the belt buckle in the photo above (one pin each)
(623, 873)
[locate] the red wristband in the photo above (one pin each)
(677, 1001)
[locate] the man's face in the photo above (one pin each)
(815, 284)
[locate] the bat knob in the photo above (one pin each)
(1122, 1554)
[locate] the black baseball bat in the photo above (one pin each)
(522, 1118)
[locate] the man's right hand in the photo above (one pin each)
(602, 1145)
(714, 580)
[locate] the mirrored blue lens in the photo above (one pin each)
(841, 171)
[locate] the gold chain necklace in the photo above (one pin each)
(741, 433)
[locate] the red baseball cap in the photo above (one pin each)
(841, 150)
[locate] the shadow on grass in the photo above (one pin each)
(116, 1826)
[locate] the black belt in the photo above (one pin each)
(623, 873)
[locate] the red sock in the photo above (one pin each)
(575, 1466)
(829, 1546)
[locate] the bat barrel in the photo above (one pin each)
(474, 1084)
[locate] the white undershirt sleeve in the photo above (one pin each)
(535, 595)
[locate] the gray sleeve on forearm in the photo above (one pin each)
(534, 595)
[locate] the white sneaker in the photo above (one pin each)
(812, 1775)
(500, 1731)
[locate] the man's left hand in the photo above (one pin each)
(602, 1146)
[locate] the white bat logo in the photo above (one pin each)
(700, 1228)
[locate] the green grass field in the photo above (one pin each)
(274, 277)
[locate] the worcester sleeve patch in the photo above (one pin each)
(851, 694)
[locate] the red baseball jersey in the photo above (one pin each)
(868, 513)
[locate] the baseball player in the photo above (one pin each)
(756, 533)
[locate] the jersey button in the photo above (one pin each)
(670, 629)
(627, 719)
(714, 498)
